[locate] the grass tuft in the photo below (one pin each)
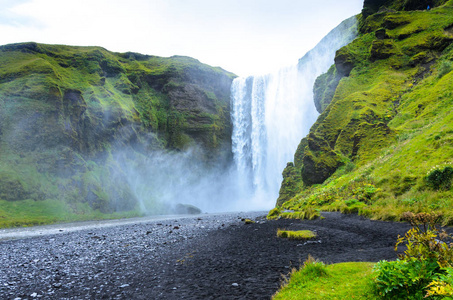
(315, 280)
(296, 235)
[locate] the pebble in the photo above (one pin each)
(235, 284)
(91, 262)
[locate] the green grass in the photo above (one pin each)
(296, 235)
(351, 280)
(388, 125)
(65, 110)
(29, 213)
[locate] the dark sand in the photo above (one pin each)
(201, 257)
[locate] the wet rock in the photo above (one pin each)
(187, 209)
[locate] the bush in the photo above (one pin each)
(422, 270)
(440, 179)
(443, 286)
(444, 68)
(404, 279)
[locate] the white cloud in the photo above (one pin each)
(242, 36)
(8, 17)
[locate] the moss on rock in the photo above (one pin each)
(389, 117)
(324, 88)
(65, 110)
(290, 185)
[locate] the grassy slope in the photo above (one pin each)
(389, 123)
(67, 108)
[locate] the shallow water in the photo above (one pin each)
(34, 231)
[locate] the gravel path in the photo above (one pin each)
(202, 257)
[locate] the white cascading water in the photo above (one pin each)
(272, 113)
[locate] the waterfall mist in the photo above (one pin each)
(161, 180)
(272, 113)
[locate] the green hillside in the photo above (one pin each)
(66, 111)
(383, 143)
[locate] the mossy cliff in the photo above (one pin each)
(65, 110)
(385, 122)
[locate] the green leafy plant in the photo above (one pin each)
(404, 279)
(422, 269)
(442, 286)
(365, 192)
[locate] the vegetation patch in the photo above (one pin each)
(384, 143)
(67, 113)
(248, 221)
(424, 269)
(315, 280)
(30, 213)
(296, 235)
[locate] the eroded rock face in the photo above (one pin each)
(360, 94)
(65, 110)
(324, 88)
(344, 62)
(290, 184)
(319, 161)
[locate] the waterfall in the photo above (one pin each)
(272, 113)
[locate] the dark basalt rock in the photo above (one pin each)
(186, 209)
(344, 62)
(316, 169)
(319, 161)
(381, 34)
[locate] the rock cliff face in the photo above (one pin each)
(65, 110)
(386, 91)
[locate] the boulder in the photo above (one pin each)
(186, 209)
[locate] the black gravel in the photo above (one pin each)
(202, 257)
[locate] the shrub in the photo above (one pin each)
(422, 270)
(365, 192)
(442, 286)
(444, 68)
(440, 179)
(404, 279)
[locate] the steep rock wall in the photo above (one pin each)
(65, 110)
(367, 97)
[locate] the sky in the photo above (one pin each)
(246, 37)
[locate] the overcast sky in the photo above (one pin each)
(242, 36)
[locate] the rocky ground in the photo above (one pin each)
(201, 257)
